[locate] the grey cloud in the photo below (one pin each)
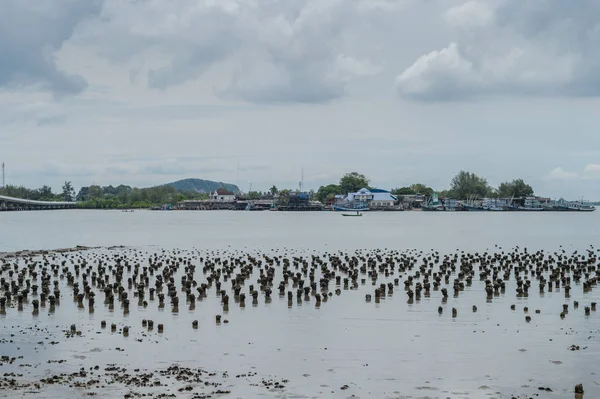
(36, 113)
(538, 47)
(550, 17)
(192, 58)
(119, 170)
(51, 120)
(181, 166)
(177, 112)
(302, 58)
(126, 158)
(171, 167)
(301, 86)
(192, 35)
(52, 169)
(177, 168)
(124, 29)
(30, 33)
(299, 43)
(180, 71)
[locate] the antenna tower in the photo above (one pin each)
(3, 176)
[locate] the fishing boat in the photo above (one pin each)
(453, 205)
(493, 205)
(473, 205)
(531, 204)
(560, 205)
(252, 207)
(352, 214)
(350, 207)
(433, 205)
(299, 202)
(580, 207)
(551, 207)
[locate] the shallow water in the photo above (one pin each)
(390, 349)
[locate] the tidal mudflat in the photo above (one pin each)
(139, 322)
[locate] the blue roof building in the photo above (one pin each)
(373, 197)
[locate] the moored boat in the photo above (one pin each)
(434, 204)
(350, 207)
(352, 214)
(580, 207)
(473, 208)
(531, 205)
(493, 205)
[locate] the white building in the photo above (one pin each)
(222, 195)
(374, 197)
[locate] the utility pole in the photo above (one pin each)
(3, 176)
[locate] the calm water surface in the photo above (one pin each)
(388, 350)
(312, 230)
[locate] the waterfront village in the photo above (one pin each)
(373, 199)
(352, 195)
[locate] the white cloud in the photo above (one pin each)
(440, 71)
(560, 174)
(388, 5)
(511, 47)
(470, 14)
(592, 171)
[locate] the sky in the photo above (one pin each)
(144, 92)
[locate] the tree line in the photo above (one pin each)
(122, 196)
(467, 185)
(105, 197)
(463, 186)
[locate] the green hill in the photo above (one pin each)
(201, 186)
